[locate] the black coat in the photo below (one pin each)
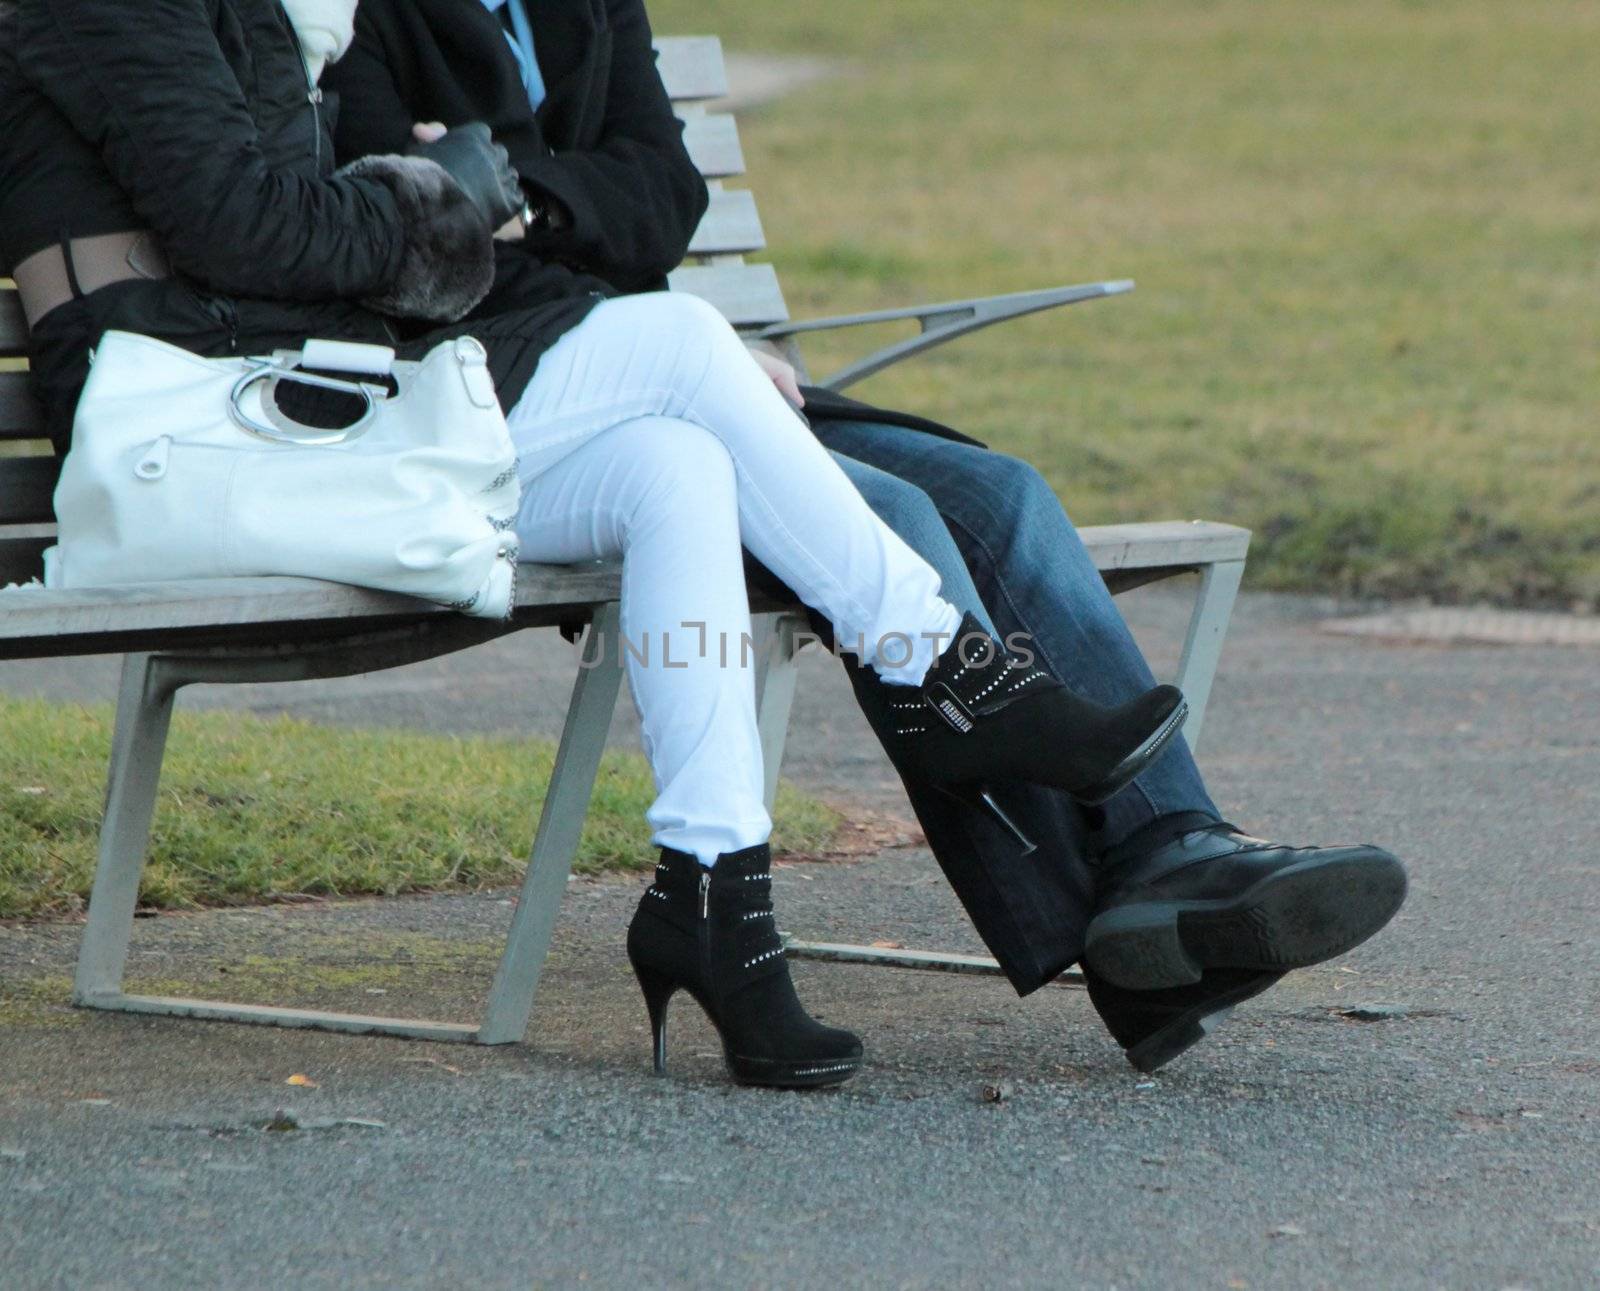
(604, 144)
(193, 119)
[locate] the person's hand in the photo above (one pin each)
(479, 165)
(783, 376)
(513, 230)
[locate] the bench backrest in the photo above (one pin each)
(748, 296)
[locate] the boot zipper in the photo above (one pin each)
(705, 931)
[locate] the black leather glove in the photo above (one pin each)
(481, 167)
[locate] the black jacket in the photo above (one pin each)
(194, 119)
(604, 144)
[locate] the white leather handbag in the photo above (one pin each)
(184, 467)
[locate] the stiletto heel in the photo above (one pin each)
(710, 932)
(658, 992)
(980, 797)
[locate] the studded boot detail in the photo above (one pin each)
(982, 715)
(711, 932)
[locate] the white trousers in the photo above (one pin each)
(649, 432)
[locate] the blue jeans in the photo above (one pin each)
(1006, 551)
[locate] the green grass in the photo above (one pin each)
(251, 809)
(1365, 236)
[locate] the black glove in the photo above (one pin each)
(481, 167)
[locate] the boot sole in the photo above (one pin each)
(773, 1074)
(1132, 766)
(1186, 1030)
(1300, 916)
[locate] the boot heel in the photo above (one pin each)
(978, 796)
(658, 990)
(1141, 947)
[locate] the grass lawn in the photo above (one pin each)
(1366, 235)
(252, 809)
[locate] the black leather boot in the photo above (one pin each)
(981, 715)
(710, 932)
(1154, 1027)
(1215, 898)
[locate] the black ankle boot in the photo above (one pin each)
(711, 933)
(1213, 898)
(980, 716)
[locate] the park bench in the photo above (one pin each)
(281, 629)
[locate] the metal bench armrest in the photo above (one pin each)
(941, 323)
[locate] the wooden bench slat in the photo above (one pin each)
(692, 67)
(232, 602)
(20, 414)
(747, 295)
(13, 327)
(26, 486)
(713, 142)
(1162, 543)
(178, 607)
(731, 226)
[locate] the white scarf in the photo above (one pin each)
(325, 29)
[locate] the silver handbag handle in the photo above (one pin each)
(309, 437)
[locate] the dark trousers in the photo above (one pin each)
(1007, 552)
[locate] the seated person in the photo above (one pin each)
(1182, 915)
(164, 169)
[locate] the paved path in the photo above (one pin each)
(1455, 1145)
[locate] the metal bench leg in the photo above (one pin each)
(144, 712)
(778, 671)
(594, 696)
(1202, 650)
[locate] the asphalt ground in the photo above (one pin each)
(1453, 1142)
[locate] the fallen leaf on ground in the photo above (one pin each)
(888, 945)
(304, 1081)
(1373, 1012)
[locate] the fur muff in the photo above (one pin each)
(447, 265)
